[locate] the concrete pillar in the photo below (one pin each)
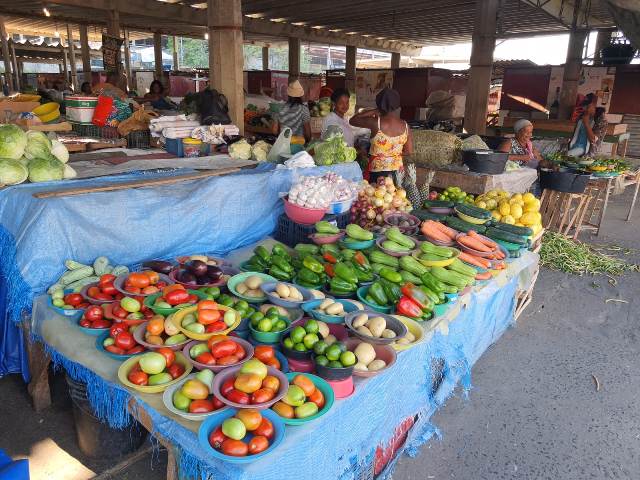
(65, 61)
(127, 61)
(176, 67)
(72, 59)
(482, 47)
(350, 68)
(572, 67)
(113, 29)
(16, 73)
(226, 59)
(157, 55)
(8, 69)
(86, 53)
(602, 40)
(294, 57)
(265, 58)
(395, 60)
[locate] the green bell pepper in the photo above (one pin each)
(263, 253)
(410, 277)
(330, 247)
(306, 249)
(346, 272)
(309, 277)
(347, 253)
(391, 290)
(280, 251)
(280, 274)
(312, 264)
(376, 291)
(282, 263)
(340, 286)
(325, 227)
(363, 275)
(390, 275)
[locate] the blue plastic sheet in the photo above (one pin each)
(212, 215)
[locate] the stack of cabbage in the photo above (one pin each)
(333, 149)
(31, 155)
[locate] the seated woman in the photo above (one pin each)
(583, 135)
(340, 99)
(294, 114)
(157, 98)
(520, 148)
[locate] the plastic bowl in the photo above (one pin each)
(311, 306)
(126, 367)
(323, 239)
(165, 312)
(303, 215)
(301, 366)
(100, 347)
(138, 334)
(473, 220)
(441, 308)
(70, 313)
(179, 316)
(91, 300)
(119, 284)
(342, 388)
(269, 337)
(241, 277)
(295, 354)
(383, 352)
(415, 328)
(413, 220)
(379, 242)
(92, 331)
(445, 262)
(284, 363)
(269, 287)
(221, 377)
(333, 374)
(392, 324)
(362, 294)
(248, 348)
(357, 244)
(336, 208)
(167, 399)
(344, 296)
(327, 392)
(214, 421)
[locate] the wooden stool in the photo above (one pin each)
(562, 211)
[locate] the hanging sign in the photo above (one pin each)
(111, 52)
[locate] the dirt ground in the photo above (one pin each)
(533, 413)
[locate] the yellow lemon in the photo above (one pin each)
(504, 209)
(517, 196)
(496, 215)
(528, 218)
(491, 203)
(532, 205)
(508, 219)
(516, 211)
(481, 204)
(528, 197)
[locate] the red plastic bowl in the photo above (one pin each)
(342, 388)
(248, 348)
(221, 377)
(303, 215)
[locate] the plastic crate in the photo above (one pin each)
(139, 139)
(174, 147)
(91, 130)
(291, 233)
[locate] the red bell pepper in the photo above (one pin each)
(408, 308)
(330, 257)
(417, 295)
(360, 259)
(330, 270)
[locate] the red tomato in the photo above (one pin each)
(85, 323)
(153, 276)
(150, 290)
(93, 313)
(215, 327)
(258, 444)
(119, 296)
(193, 298)
(234, 448)
(217, 437)
(207, 305)
(136, 349)
(161, 285)
(206, 358)
(125, 340)
(102, 323)
(175, 370)
(117, 328)
(102, 296)
(138, 280)
(83, 305)
(207, 317)
(118, 311)
(262, 395)
(265, 429)
(148, 313)
(93, 291)
(217, 403)
(237, 396)
(114, 349)
(108, 289)
(73, 299)
(240, 353)
(263, 352)
(224, 348)
(228, 360)
(171, 288)
(201, 406)
(133, 290)
(176, 297)
(168, 354)
(227, 386)
(138, 377)
(106, 278)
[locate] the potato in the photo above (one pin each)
(364, 331)
(360, 366)
(376, 365)
(325, 303)
(294, 294)
(376, 325)
(410, 337)
(276, 294)
(253, 282)
(323, 329)
(330, 339)
(241, 288)
(365, 353)
(253, 293)
(360, 321)
(283, 290)
(335, 309)
(386, 333)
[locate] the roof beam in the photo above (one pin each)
(181, 15)
(562, 12)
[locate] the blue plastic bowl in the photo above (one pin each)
(362, 293)
(215, 420)
(93, 331)
(100, 347)
(357, 244)
(310, 308)
(269, 287)
(71, 314)
(453, 297)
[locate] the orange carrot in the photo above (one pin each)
(488, 242)
(474, 244)
(499, 254)
(429, 230)
(449, 232)
(473, 260)
(483, 276)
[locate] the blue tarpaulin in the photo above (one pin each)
(212, 215)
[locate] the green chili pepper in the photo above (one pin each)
(376, 291)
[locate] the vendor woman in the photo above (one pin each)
(520, 148)
(294, 114)
(340, 100)
(390, 135)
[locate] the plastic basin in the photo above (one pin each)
(269, 287)
(91, 300)
(341, 206)
(311, 309)
(119, 284)
(356, 244)
(221, 377)
(303, 215)
(165, 312)
(342, 388)
(381, 240)
(70, 313)
(383, 352)
(269, 337)
(100, 347)
(393, 324)
(415, 328)
(323, 239)
(248, 349)
(441, 308)
(445, 262)
(362, 294)
(167, 399)
(92, 331)
(126, 367)
(241, 277)
(138, 334)
(179, 316)
(327, 392)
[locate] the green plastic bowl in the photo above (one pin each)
(269, 337)
(362, 293)
(322, 385)
(356, 244)
(241, 277)
(165, 312)
(441, 309)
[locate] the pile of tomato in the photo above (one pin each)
(155, 368)
(251, 385)
(120, 340)
(93, 317)
(146, 282)
(228, 437)
(105, 290)
(267, 355)
(74, 300)
(218, 350)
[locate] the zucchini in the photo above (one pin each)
(412, 265)
(100, 265)
(120, 270)
(77, 285)
(438, 204)
(462, 226)
(427, 215)
(72, 276)
(431, 249)
(515, 229)
(378, 256)
(395, 246)
(431, 257)
(498, 234)
(449, 277)
(410, 277)
(462, 268)
(473, 211)
(376, 267)
(395, 235)
(73, 265)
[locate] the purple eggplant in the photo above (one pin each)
(184, 276)
(197, 267)
(214, 273)
(159, 266)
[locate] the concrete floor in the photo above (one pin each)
(533, 412)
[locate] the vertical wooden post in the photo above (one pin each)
(350, 68)
(571, 76)
(65, 61)
(265, 58)
(113, 29)
(8, 69)
(86, 53)
(294, 57)
(157, 55)
(226, 60)
(395, 60)
(127, 61)
(176, 65)
(16, 73)
(482, 47)
(72, 59)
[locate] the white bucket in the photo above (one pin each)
(80, 109)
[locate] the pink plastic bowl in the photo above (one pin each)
(342, 388)
(303, 215)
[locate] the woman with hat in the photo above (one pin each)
(294, 114)
(520, 148)
(390, 135)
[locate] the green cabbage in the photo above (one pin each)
(12, 172)
(12, 141)
(38, 145)
(45, 169)
(241, 150)
(334, 150)
(59, 151)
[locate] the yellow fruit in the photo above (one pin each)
(496, 215)
(491, 204)
(491, 194)
(516, 196)
(481, 204)
(518, 224)
(528, 218)
(502, 193)
(538, 217)
(516, 211)
(508, 219)
(532, 205)
(528, 197)
(536, 227)
(504, 209)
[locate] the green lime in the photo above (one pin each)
(334, 364)
(273, 312)
(320, 347)
(241, 311)
(341, 346)
(347, 359)
(250, 311)
(279, 326)
(297, 334)
(288, 343)
(256, 317)
(310, 340)
(241, 304)
(299, 347)
(227, 301)
(322, 361)
(213, 291)
(333, 352)
(254, 323)
(311, 326)
(265, 325)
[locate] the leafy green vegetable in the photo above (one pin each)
(45, 169)
(12, 141)
(59, 151)
(38, 145)
(12, 171)
(334, 150)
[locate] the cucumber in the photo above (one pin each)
(498, 234)
(462, 226)
(54, 287)
(100, 265)
(515, 229)
(77, 285)
(427, 215)
(73, 265)
(473, 211)
(72, 276)
(119, 270)
(438, 204)
(462, 268)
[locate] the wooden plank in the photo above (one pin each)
(52, 127)
(566, 126)
(135, 184)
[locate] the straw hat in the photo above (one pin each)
(295, 89)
